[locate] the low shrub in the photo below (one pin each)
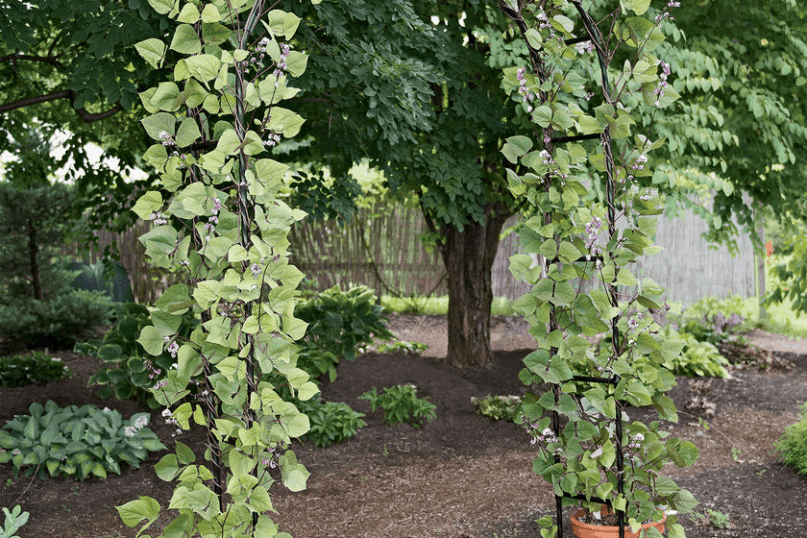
(75, 441)
(128, 371)
(401, 404)
(711, 319)
(331, 422)
(13, 521)
(697, 358)
(341, 324)
(38, 367)
(58, 322)
(498, 407)
(410, 348)
(793, 444)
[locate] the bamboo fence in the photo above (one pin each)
(383, 251)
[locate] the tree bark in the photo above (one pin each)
(468, 256)
(33, 249)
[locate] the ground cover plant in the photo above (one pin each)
(331, 422)
(498, 407)
(401, 404)
(36, 367)
(793, 444)
(13, 521)
(75, 441)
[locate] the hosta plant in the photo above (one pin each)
(590, 70)
(219, 222)
(341, 324)
(75, 441)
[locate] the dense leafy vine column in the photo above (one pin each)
(583, 112)
(225, 227)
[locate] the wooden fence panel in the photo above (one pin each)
(385, 253)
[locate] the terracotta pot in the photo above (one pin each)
(584, 530)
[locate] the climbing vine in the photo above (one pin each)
(215, 124)
(591, 71)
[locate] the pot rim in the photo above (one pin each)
(575, 517)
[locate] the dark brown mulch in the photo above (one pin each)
(462, 475)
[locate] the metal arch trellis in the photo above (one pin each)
(595, 37)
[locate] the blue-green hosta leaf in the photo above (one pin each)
(152, 50)
(133, 512)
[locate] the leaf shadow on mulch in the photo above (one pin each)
(462, 475)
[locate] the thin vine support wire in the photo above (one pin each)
(246, 206)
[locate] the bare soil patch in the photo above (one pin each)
(463, 475)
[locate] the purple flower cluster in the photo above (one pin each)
(593, 231)
(665, 14)
(170, 347)
(649, 194)
(659, 91)
(636, 441)
(526, 95)
(256, 270)
(280, 70)
(171, 420)
(638, 164)
(158, 218)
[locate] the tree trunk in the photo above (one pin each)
(32, 255)
(468, 256)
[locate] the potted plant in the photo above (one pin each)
(583, 113)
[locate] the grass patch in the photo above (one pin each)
(502, 306)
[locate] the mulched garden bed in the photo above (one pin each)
(463, 475)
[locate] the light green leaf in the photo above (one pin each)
(203, 67)
(281, 23)
(189, 14)
(133, 512)
(210, 14)
(188, 133)
(147, 204)
(515, 147)
(151, 340)
(185, 39)
(161, 122)
(152, 50)
(163, 7)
